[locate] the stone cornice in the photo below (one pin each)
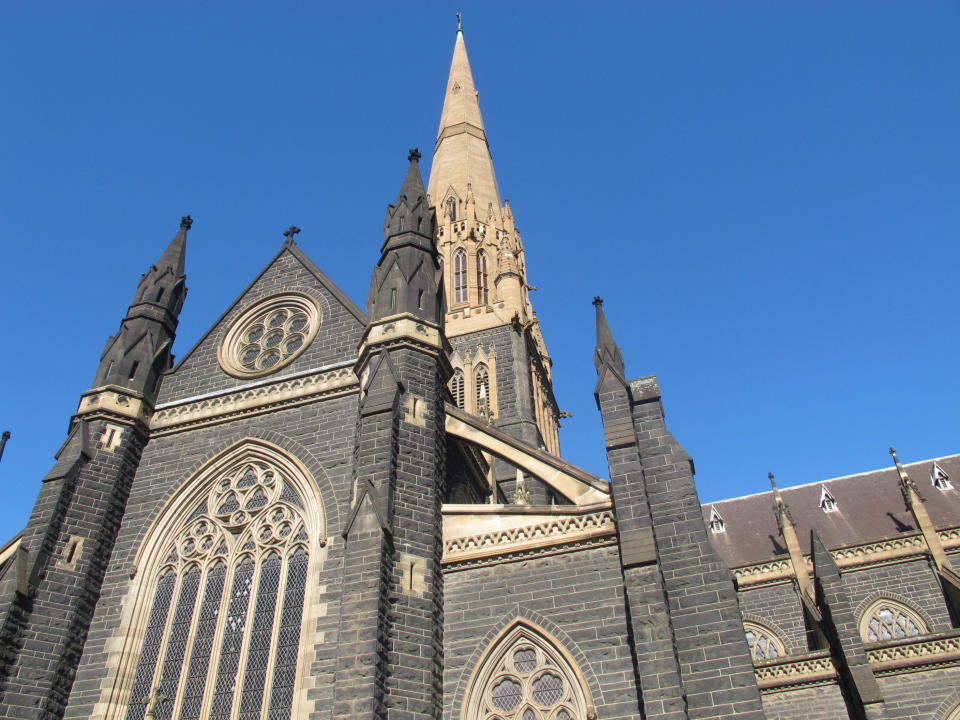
(881, 552)
(941, 649)
(817, 668)
(792, 671)
(254, 399)
(114, 403)
(507, 537)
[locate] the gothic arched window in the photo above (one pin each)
(460, 276)
(482, 277)
(221, 603)
(456, 388)
(764, 643)
(886, 620)
(526, 676)
(452, 208)
(482, 384)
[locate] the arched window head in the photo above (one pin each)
(482, 384)
(887, 620)
(764, 643)
(525, 675)
(221, 601)
(456, 388)
(452, 208)
(460, 276)
(482, 277)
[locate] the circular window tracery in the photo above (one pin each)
(269, 335)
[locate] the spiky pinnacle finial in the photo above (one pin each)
(459, 23)
(186, 222)
(773, 481)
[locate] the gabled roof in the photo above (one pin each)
(870, 507)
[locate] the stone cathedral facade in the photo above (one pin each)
(328, 512)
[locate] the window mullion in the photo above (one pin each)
(247, 631)
(192, 635)
(165, 643)
(274, 636)
(217, 647)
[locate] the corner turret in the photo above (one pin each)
(138, 355)
(408, 278)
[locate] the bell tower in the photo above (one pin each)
(502, 370)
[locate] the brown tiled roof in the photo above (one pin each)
(869, 508)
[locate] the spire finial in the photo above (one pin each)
(289, 234)
(597, 301)
(773, 481)
(414, 155)
(459, 23)
(186, 222)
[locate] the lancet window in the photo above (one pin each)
(525, 676)
(764, 643)
(886, 620)
(456, 388)
(482, 384)
(223, 631)
(460, 276)
(482, 277)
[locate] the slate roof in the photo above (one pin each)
(870, 507)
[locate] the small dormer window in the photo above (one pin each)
(939, 478)
(716, 524)
(828, 503)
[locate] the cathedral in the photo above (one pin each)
(323, 511)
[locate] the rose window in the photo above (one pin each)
(269, 335)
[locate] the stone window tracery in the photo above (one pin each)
(269, 335)
(460, 276)
(223, 630)
(526, 677)
(886, 620)
(764, 643)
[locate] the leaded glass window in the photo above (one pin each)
(764, 643)
(524, 676)
(460, 276)
(223, 632)
(886, 620)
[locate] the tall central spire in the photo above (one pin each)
(462, 164)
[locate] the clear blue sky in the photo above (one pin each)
(765, 193)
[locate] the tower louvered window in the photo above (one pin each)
(482, 385)
(223, 631)
(460, 276)
(482, 277)
(456, 388)
(525, 676)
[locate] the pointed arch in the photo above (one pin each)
(525, 673)
(888, 620)
(220, 604)
(460, 276)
